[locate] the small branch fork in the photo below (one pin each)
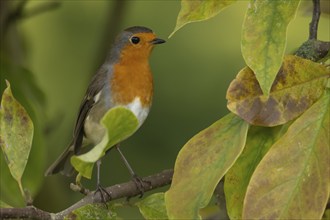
(124, 190)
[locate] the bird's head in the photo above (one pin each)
(135, 43)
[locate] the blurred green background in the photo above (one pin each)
(64, 47)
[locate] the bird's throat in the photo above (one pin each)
(131, 80)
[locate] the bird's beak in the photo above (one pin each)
(157, 41)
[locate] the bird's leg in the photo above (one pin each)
(99, 188)
(137, 180)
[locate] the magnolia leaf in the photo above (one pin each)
(264, 37)
(93, 211)
(153, 207)
(120, 123)
(199, 10)
(292, 180)
(259, 141)
(29, 94)
(16, 134)
(200, 165)
(298, 85)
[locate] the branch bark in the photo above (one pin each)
(315, 20)
(123, 190)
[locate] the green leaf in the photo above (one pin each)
(4, 205)
(16, 135)
(326, 215)
(11, 192)
(298, 85)
(292, 180)
(264, 37)
(120, 123)
(199, 10)
(259, 141)
(93, 211)
(153, 207)
(201, 164)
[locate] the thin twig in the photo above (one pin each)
(20, 13)
(315, 20)
(124, 190)
(14, 15)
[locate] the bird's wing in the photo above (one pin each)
(87, 103)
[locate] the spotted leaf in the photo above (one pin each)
(200, 165)
(16, 134)
(292, 179)
(298, 85)
(259, 141)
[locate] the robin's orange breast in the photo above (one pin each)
(131, 81)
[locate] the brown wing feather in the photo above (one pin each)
(62, 164)
(87, 103)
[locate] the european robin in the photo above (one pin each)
(124, 79)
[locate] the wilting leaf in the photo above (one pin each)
(93, 211)
(153, 207)
(264, 37)
(199, 10)
(292, 180)
(28, 93)
(120, 123)
(201, 164)
(258, 142)
(16, 134)
(298, 85)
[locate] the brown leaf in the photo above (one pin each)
(292, 179)
(298, 85)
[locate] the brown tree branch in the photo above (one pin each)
(123, 190)
(29, 212)
(315, 20)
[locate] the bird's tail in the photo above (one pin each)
(62, 164)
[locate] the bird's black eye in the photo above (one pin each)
(135, 40)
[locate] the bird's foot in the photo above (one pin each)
(105, 195)
(140, 184)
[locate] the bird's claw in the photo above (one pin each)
(100, 189)
(140, 184)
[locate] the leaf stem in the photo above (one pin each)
(21, 189)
